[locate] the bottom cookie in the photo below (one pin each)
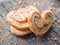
(19, 32)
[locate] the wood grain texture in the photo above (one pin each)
(52, 37)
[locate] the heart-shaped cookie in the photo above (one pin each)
(17, 15)
(14, 20)
(19, 32)
(47, 18)
(26, 20)
(38, 23)
(34, 19)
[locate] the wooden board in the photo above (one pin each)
(51, 38)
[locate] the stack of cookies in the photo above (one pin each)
(27, 20)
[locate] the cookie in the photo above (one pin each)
(26, 20)
(29, 10)
(21, 10)
(16, 24)
(38, 23)
(18, 16)
(19, 32)
(34, 20)
(47, 19)
(47, 16)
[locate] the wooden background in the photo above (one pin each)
(51, 38)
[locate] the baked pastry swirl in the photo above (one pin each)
(27, 20)
(19, 32)
(34, 20)
(18, 26)
(13, 20)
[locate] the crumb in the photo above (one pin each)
(59, 41)
(58, 10)
(36, 4)
(48, 38)
(54, 8)
(55, 38)
(50, 8)
(9, 37)
(52, 4)
(55, 44)
(7, 28)
(0, 30)
(58, 20)
(58, 26)
(33, 38)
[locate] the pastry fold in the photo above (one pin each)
(34, 19)
(17, 21)
(19, 32)
(29, 19)
(19, 25)
(39, 23)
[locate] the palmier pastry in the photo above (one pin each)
(15, 23)
(47, 18)
(29, 10)
(34, 20)
(26, 20)
(19, 32)
(18, 15)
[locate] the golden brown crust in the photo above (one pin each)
(34, 20)
(17, 24)
(35, 27)
(48, 21)
(47, 16)
(41, 25)
(26, 20)
(22, 10)
(29, 10)
(17, 15)
(19, 32)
